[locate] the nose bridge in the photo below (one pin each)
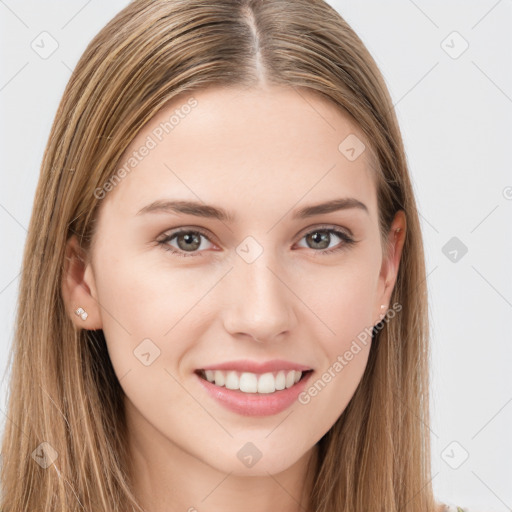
(260, 303)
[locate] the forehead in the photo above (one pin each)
(279, 145)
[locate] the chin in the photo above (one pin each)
(255, 458)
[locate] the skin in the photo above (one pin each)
(261, 153)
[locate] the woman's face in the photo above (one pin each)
(252, 272)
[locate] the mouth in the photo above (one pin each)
(251, 383)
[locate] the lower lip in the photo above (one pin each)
(255, 404)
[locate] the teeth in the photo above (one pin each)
(290, 379)
(266, 383)
(281, 380)
(248, 382)
(219, 378)
(231, 380)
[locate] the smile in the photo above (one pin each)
(248, 382)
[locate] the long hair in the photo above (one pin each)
(64, 442)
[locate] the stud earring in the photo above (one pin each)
(382, 314)
(82, 313)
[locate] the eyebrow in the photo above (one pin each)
(215, 212)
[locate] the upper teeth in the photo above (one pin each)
(252, 382)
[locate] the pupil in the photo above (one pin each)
(190, 238)
(320, 236)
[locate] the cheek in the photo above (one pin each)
(144, 313)
(136, 305)
(142, 296)
(152, 313)
(343, 297)
(344, 340)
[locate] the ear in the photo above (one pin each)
(390, 265)
(78, 287)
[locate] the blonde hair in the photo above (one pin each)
(63, 390)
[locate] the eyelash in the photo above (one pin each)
(347, 241)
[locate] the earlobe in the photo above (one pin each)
(78, 288)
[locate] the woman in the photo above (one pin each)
(182, 341)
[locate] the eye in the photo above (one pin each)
(322, 236)
(189, 241)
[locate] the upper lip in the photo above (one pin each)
(245, 365)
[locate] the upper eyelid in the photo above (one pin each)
(303, 232)
(327, 227)
(186, 229)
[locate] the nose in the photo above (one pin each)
(259, 304)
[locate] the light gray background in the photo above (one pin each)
(456, 117)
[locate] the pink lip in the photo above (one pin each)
(255, 404)
(245, 365)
